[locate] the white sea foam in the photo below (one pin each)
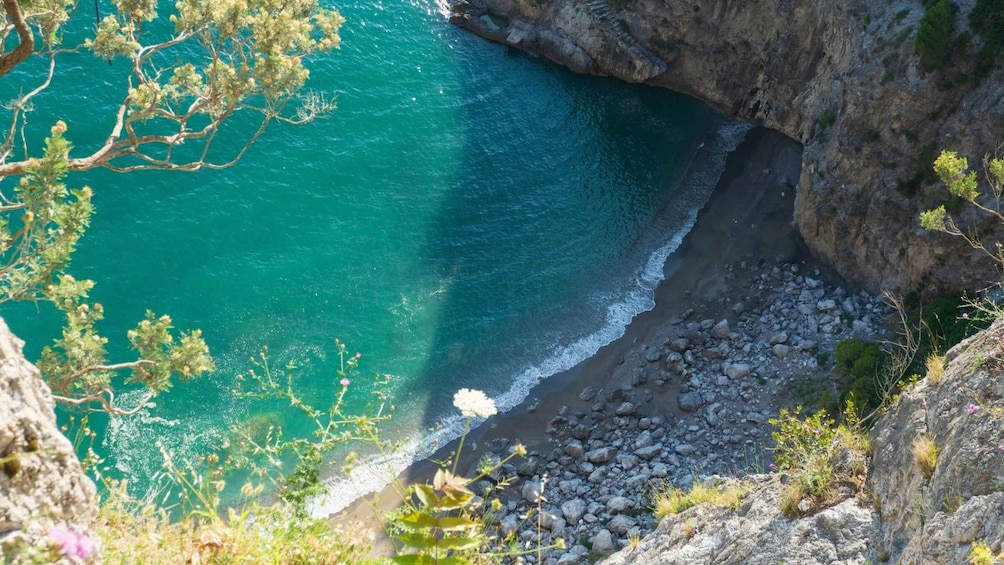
(374, 473)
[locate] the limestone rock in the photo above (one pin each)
(757, 534)
(603, 542)
(690, 401)
(46, 487)
(573, 510)
(601, 455)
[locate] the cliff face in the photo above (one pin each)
(910, 517)
(840, 77)
(42, 486)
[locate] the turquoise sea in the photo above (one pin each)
(468, 217)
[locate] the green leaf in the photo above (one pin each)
(414, 559)
(455, 523)
(454, 500)
(426, 495)
(933, 219)
(419, 540)
(417, 521)
(459, 543)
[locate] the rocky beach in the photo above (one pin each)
(742, 323)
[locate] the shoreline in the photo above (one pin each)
(748, 220)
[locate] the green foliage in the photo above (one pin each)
(827, 119)
(41, 222)
(812, 450)
(798, 442)
(221, 59)
(922, 173)
(962, 184)
(329, 428)
(443, 522)
(863, 362)
(954, 172)
(987, 19)
(981, 554)
(933, 41)
(947, 320)
(133, 531)
(440, 527)
(934, 219)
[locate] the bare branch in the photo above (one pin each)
(95, 368)
(26, 38)
(106, 398)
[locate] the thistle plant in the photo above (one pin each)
(331, 428)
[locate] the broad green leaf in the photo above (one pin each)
(460, 543)
(454, 500)
(414, 559)
(455, 523)
(417, 521)
(419, 540)
(426, 495)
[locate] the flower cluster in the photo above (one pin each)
(474, 403)
(73, 544)
(972, 409)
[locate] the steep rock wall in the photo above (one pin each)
(42, 486)
(934, 519)
(840, 77)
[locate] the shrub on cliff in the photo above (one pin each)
(987, 19)
(933, 42)
(953, 170)
(862, 362)
(820, 456)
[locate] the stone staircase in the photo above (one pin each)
(601, 10)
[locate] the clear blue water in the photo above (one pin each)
(469, 217)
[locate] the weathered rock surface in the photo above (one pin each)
(756, 534)
(911, 518)
(840, 77)
(935, 520)
(42, 485)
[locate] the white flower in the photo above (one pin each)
(474, 403)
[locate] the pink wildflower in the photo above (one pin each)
(73, 543)
(345, 382)
(972, 409)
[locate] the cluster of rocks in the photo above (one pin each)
(696, 404)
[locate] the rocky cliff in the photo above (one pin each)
(908, 516)
(840, 77)
(46, 500)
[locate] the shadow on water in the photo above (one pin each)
(590, 167)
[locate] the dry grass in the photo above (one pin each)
(925, 453)
(133, 532)
(671, 500)
(935, 368)
(791, 495)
